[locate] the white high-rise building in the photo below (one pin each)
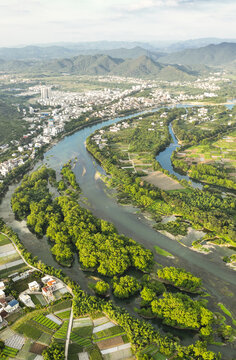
(45, 93)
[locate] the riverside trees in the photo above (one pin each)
(72, 228)
(180, 278)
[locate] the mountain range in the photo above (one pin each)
(135, 62)
(212, 55)
(140, 67)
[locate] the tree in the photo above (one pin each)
(101, 287)
(148, 294)
(125, 286)
(54, 352)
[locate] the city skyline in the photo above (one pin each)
(41, 21)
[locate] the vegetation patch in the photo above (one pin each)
(109, 333)
(162, 252)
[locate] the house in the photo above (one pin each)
(26, 299)
(34, 286)
(2, 285)
(3, 303)
(2, 294)
(47, 291)
(3, 314)
(46, 278)
(51, 284)
(12, 306)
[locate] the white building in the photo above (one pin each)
(26, 299)
(34, 286)
(12, 306)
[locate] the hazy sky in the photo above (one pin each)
(44, 21)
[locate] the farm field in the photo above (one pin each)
(222, 150)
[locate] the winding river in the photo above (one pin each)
(219, 280)
(164, 158)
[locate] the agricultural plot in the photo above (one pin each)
(28, 330)
(38, 299)
(54, 319)
(118, 353)
(9, 352)
(83, 342)
(9, 257)
(100, 321)
(101, 327)
(37, 348)
(61, 306)
(15, 342)
(45, 339)
(62, 332)
(64, 314)
(83, 332)
(110, 343)
(4, 240)
(24, 353)
(59, 293)
(223, 150)
(13, 269)
(108, 333)
(43, 320)
(153, 351)
(74, 350)
(94, 353)
(82, 322)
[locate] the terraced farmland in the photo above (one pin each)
(43, 320)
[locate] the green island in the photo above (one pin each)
(125, 160)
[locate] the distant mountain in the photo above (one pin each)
(190, 44)
(132, 53)
(34, 52)
(59, 52)
(141, 67)
(101, 45)
(213, 55)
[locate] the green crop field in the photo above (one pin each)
(62, 332)
(64, 314)
(80, 341)
(12, 270)
(43, 320)
(29, 330)
(74, 349)
(108, 333)
(83, 332)
(4, 240)
(9, 352)
(61, 305)
(7, 259)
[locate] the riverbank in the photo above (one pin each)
(218, 278)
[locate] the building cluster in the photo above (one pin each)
(7, 305)
(63, 107)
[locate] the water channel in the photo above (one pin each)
(219, 280)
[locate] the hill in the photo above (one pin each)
(213, 55)
(141, 67)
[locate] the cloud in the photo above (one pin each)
(32, 21)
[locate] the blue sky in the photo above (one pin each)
(44, 21)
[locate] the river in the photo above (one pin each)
(219, 280)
